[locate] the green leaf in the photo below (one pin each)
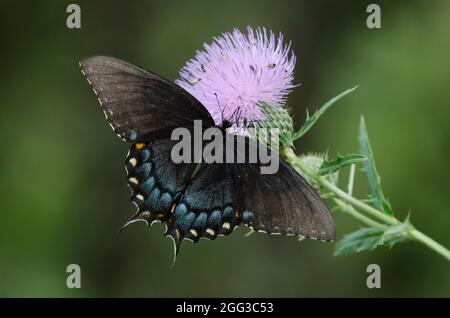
(310, 121)
(364, 239)
(369, 238)
(330, 166)
(369, 168)
(396, 234)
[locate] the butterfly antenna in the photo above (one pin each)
(220, 107)
(233, 116)
(239, 115)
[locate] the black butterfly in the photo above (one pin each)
(143, 109)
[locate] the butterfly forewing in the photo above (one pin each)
(139, 105)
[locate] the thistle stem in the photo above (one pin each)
(349, 204)
(351, 179)
(430, 243)
(347, 208)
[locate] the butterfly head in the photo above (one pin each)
(225, 124)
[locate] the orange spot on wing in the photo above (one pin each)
(140, 146)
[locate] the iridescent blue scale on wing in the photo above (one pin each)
(206, 207)
(200, 221)
(156, 182)
(214, 218)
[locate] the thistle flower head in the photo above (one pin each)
(237, 72)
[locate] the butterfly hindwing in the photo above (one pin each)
(156, 181)
(139, 105)
(223, 195)
(284, 203)
(207, 206)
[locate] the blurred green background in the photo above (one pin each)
(63, 195)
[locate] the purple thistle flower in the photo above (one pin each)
(238, 71)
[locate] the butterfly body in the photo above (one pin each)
(196, 200)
